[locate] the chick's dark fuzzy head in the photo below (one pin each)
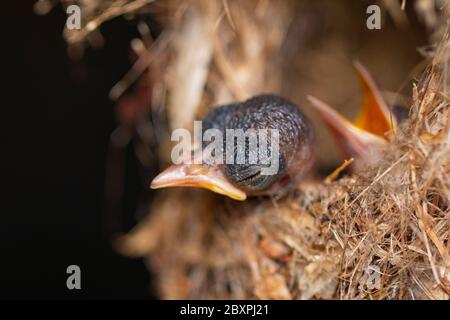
(265, 112)
(256, 119)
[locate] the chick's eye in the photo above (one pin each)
(251, 177)
(247, 177)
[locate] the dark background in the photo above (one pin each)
(57, 119)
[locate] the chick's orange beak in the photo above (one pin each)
(365, 138)
(374, 115)
(352, 140)
(200, 176)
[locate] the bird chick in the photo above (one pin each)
(365, 139)
(239, 180)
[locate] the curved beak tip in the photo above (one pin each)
(158, 181)
(153, 185)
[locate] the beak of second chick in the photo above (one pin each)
(365, 138)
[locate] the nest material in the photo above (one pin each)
(382, 234)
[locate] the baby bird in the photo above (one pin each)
(239, 180)
(365, 139)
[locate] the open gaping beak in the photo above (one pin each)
(353, 141)
(374, 116)
(365, 138)
(200, 176)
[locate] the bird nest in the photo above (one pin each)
(378, 234)
(382, 234)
